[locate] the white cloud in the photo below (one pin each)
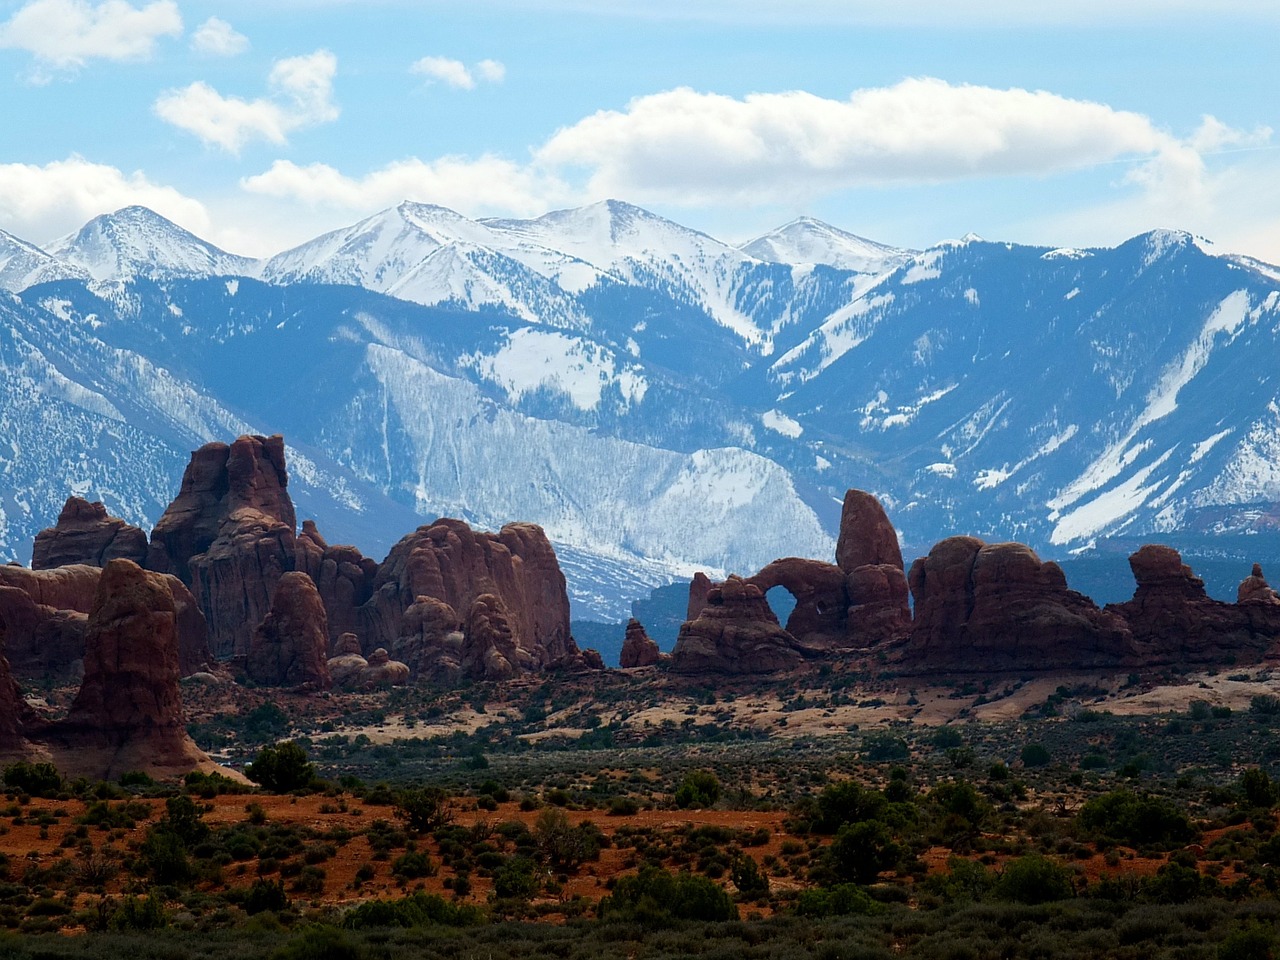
(69, 33)
(217, 38)
(301, 95)
(40, 203)
(493, 71)
(682, 146)
(455, 73)
(486, 185)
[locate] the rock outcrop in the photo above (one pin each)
(1175, 621)
(992, 607)
(342, 574)
(735, 633)
(382, 671)
(86, 533)
(868, 554)
(638, 649)
(431, 640)
(1255, 589)
(347, 661)
(46, 613)
(128, 713)
(458, 566)
(229, 535)
(290, 647)
(817, 622)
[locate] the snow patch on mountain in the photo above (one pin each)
(23, 265)
(806, 241)
(781, 423)
(532, 359)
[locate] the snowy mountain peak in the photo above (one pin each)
(24, 265)
(806, 240)
(135, 241)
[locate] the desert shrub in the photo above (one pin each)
(657, 896)
(843, 900)
(517, 878)
(884, 747)
(1257, 788)
(266, 895)
(423, 809)
(1253, 942)
(145, 913)
(36, 779)
(1126, 817)
(1265, 705)
(964, 880)
(164, 857)
(417, 910)
(1034, 879)
(184, 819)
(861, 851)
(846, 802)
(412, 865)
(282, 768)
(562, 845)
(319, 943)
(1035, 755)
(699, 789)
(748, 878)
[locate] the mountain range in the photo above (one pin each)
(660, 401)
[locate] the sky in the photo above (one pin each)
(259, 125)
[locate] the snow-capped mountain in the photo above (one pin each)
(24, 264)
(136, 242)
(658, 400)
(806, 240)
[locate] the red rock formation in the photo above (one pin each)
(451, 562)
(431, 640)
(817, 621)
(128, 714)
(47, 611)
(229, 535)
(490, 651)
(1175, 621)
(347, 661)
(85, 533)
(875, 582)
(290, 647)
(990, 607)
(638, 650)
(736, 632)
(342, 574)
(17, 720)
(699, 590)
(44, 613)
(382, 671)
(1255, 589)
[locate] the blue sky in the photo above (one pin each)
(261, 124)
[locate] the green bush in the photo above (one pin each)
(1034, 879)
(147, 913)
(1035, 755)
(282, 768)
(517, 878)
(36, 779)
(423, 809)
(846, 802)
(1253, 942)
(844, 900)
(861, 851)
(1128, 818)
(319, 943)
(418, 910)
(656, 896)
(699, 790)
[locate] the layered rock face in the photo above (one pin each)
(17, 720)
(229, 535)
(638, 648)
(868, 554)
(735, 633)
(991, 607)
(290, 647)
(46, 613)
(342, 574)
(382, 671)
(516, 569)
(347, 661)
(1175, 621)
(128, 714)
(85, 533)
(1255, 589)
(431, 640)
